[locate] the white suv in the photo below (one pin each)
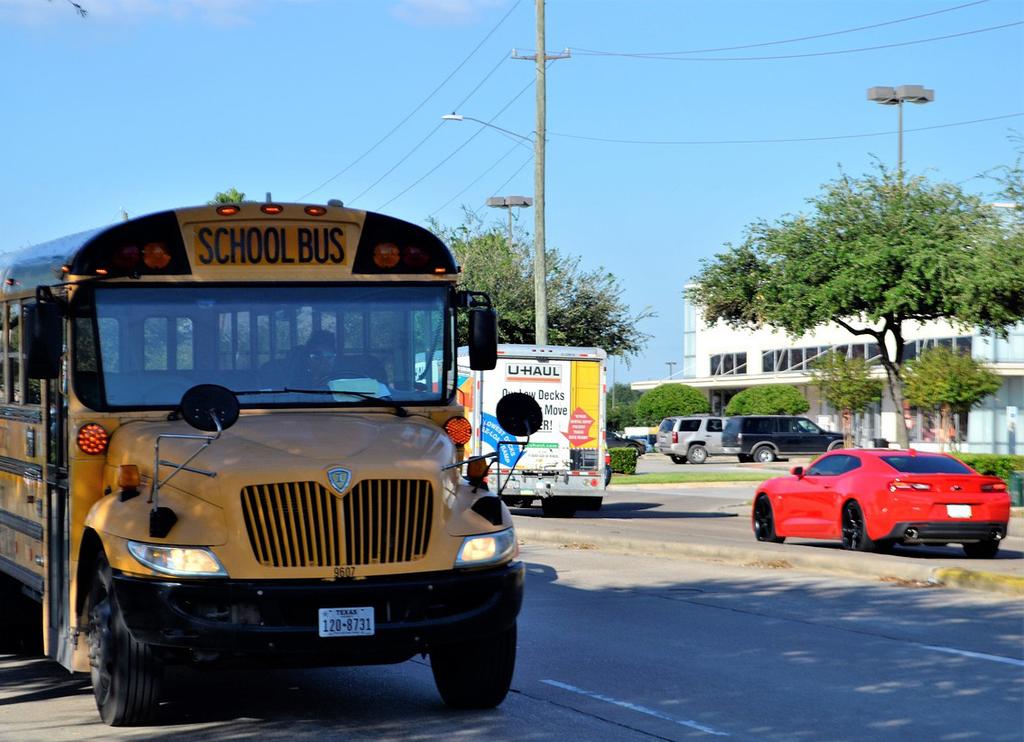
(690, 439)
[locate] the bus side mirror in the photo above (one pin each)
(483, 339)
(44, 340)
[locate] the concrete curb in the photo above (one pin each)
(824, 562)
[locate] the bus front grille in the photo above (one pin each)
(302, 524)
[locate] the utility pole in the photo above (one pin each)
(540, 296)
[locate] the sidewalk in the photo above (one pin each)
(713, 523)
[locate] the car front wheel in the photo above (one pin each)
(764, 521)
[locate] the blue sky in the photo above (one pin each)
(149, 104)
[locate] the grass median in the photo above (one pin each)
(692, 477)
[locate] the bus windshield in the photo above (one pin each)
(144, 346)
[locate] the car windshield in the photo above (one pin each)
(926, 465)
(144, 346)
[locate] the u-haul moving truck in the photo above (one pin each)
(563, 464)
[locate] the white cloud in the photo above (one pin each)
(442, 12)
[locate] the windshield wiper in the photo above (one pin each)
(387, 401)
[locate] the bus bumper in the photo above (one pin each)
(268, 619)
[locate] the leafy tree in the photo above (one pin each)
(585, 308)
(621, 406)
(848, 385)
(873, 254)
(669, 400)
(771, 399)
(950, 382)
(230, 196)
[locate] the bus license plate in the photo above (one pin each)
(346, 622)
(958, 511)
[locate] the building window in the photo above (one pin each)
(728, 364)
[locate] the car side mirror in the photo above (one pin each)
(797, 471)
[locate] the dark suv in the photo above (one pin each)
(764, 438)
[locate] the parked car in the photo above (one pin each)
(614, 440)
(691, 438)
(647, 440)
(763, 438)
(873, 498)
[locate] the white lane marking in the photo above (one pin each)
(635, 707)
(977, 655)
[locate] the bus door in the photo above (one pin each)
(55, 477)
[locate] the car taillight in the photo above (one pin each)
(607, 458)
(675, 437)
(897, 485)
(994, 487)
(739, 437)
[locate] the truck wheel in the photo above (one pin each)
(126, 674)
(555, 507)
(764, 455)
(475, 674)
(697, 454)
(678, 459)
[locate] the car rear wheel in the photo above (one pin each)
(745, 458)
(764, 521)
(764, 455)
(855, 530)
(678, 459)
(982, 549)
(697, 454)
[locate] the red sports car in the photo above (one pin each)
(874, 498)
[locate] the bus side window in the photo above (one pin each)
(33, 387)
(13, 355)
(3, 354)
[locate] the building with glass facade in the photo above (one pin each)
(723, 361)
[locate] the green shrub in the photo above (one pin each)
(994, 464)
(771, 399)
(669, 400)
(623, 460)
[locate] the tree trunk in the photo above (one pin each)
(847, 428)
(945, 427)
(896, 395)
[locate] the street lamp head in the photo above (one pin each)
(902, 94)
(507, 202)
(452, 116)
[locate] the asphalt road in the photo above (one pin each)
(627, 648)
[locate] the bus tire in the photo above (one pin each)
(475, 674)
(126, 674)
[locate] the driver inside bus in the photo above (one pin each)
(316, 365)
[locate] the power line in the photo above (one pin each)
(779, 141)
(417, 108)
(817, 54)
(433, 131)
(459, 148)
(597, 52)
(478, 179)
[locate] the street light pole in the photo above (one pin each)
(897, 97)
(509, 202)
(670, 364)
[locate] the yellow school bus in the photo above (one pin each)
(230, 433)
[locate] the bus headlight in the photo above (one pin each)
(486, 549)
(178, 560)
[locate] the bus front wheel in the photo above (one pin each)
(476, 673)
(126, 675)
